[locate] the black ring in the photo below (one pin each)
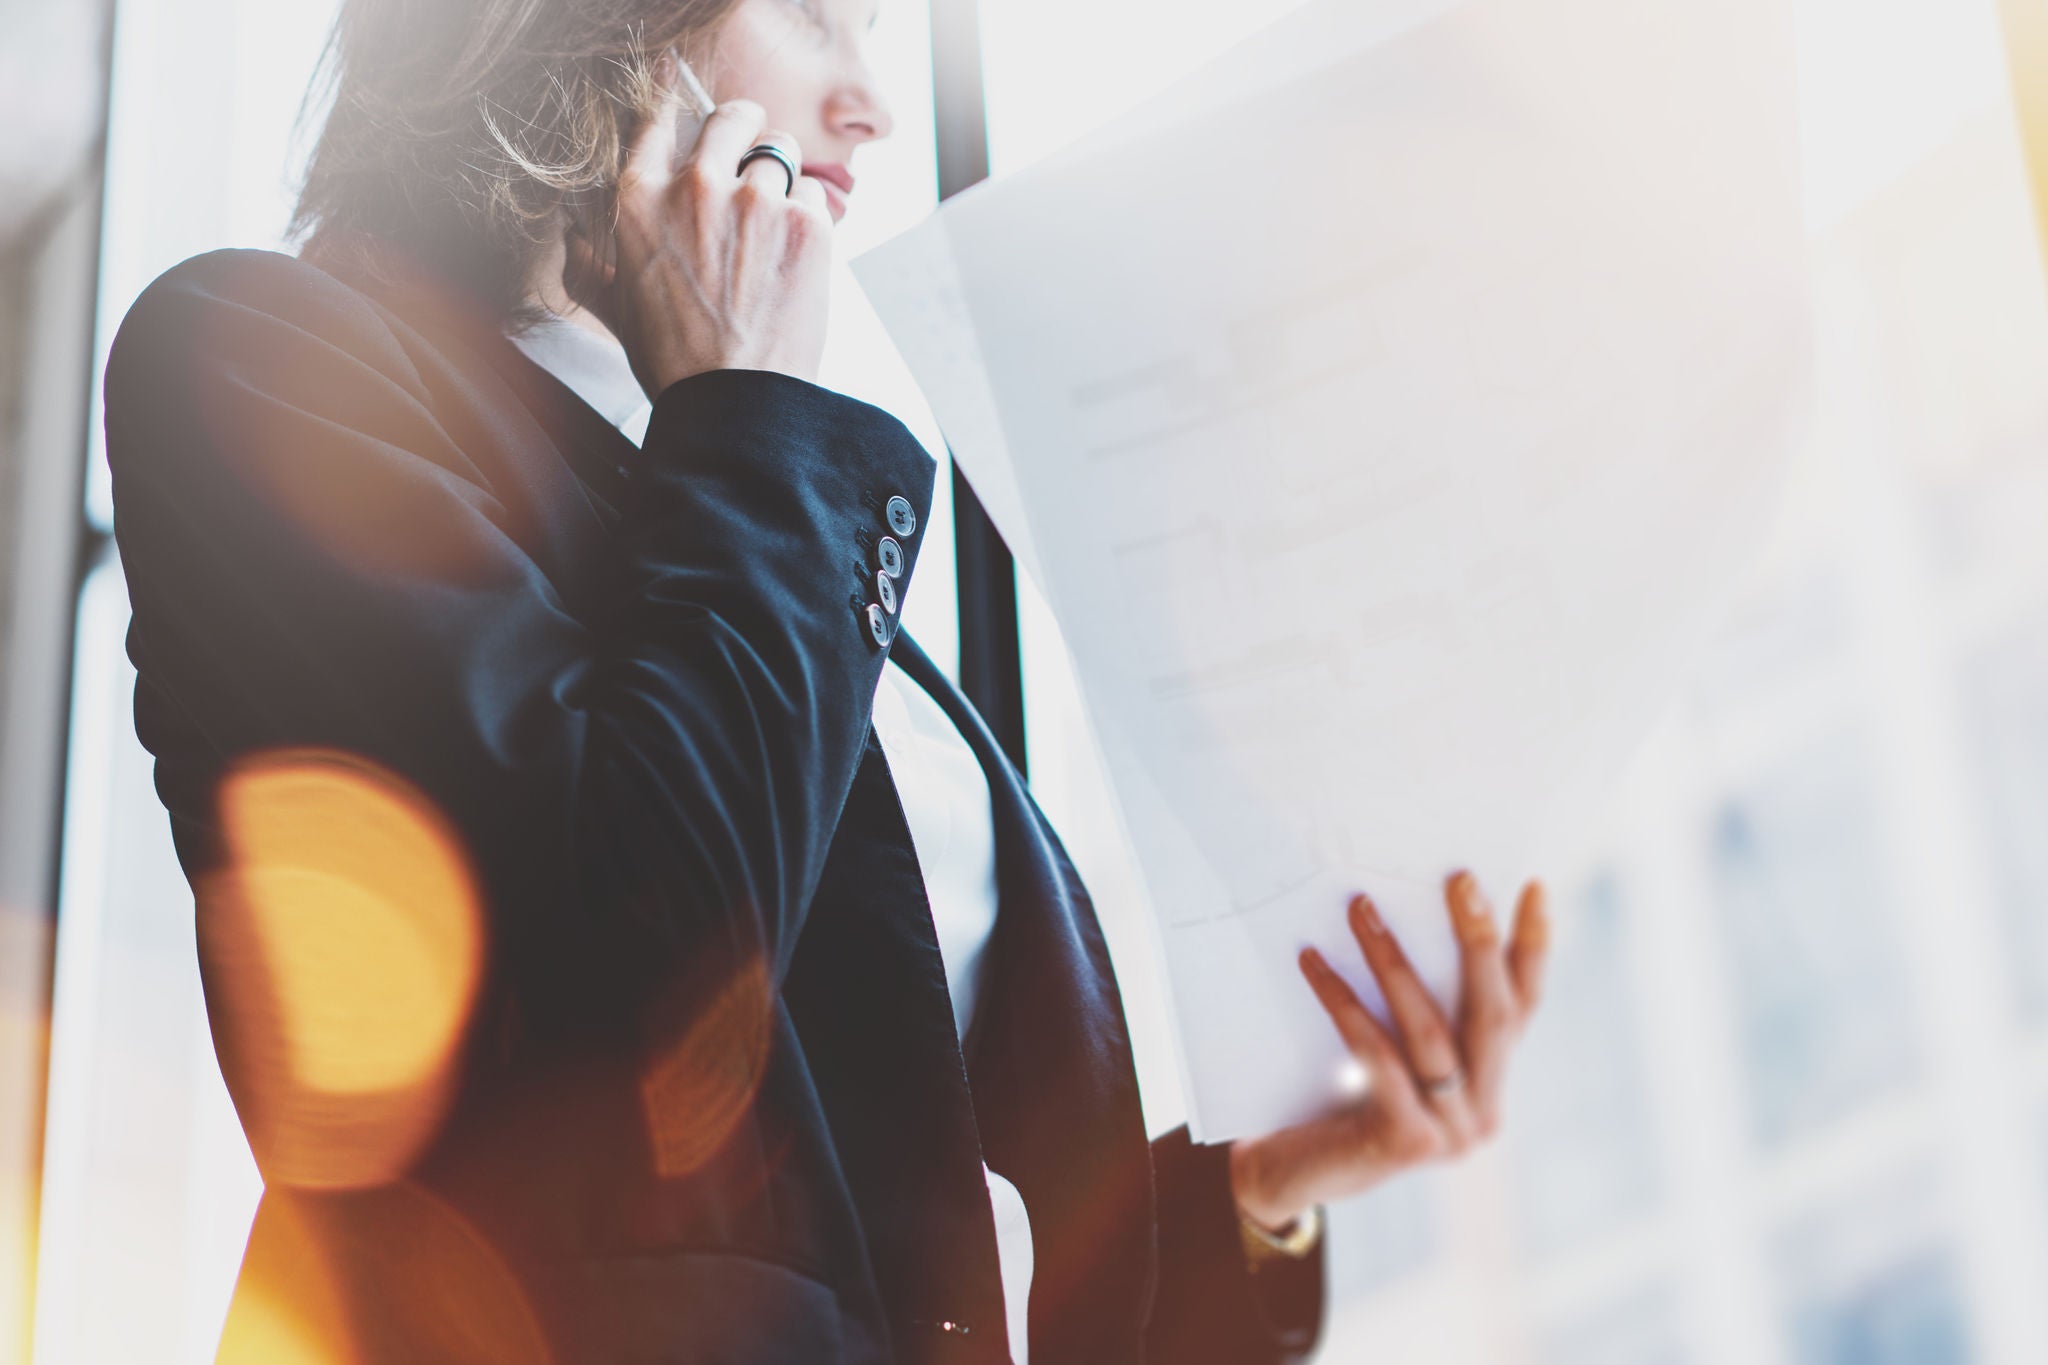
(782, 158)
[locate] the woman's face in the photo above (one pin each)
(805, 62)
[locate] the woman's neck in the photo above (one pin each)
(545, 288)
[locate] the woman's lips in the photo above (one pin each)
(838, 183)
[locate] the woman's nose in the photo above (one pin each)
(859, 113)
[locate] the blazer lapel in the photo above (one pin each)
(1054, 1085)
(601, 455)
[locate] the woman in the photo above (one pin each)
(509, 511)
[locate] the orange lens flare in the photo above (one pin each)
(262, 1330)
(350, 1279)
(697, 1090)
(341, 943)
(24, 1061)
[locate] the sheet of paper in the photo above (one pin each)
(1385, 442)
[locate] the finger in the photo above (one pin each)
(1426, 1038)
(1488, 1011)
(652, 155)
(732, 128)
(1386, 1070)
(1360, 1032)
(1529, 949)
(809, 195)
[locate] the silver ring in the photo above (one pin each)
(770, 149)
(1445, 1085)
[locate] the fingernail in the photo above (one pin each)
(1470, 909)
(1312, 962)
(1364, 912)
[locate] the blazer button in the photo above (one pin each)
(885, 588)
(890, 556)
(902, 518)
(879, 627)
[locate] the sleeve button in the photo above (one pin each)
(890, 556)
(885, 588)
(879, 627)
(902, 517)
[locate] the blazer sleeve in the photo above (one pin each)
(1209, 1306)
(316, 557)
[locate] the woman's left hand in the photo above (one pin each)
(1433, 1087)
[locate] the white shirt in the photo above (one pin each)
(939, 780)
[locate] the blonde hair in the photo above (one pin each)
(468, 133)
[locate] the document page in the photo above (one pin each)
(1385, 442)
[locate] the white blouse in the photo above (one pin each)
(944, 791)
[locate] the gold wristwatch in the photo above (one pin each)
(1291, 1243)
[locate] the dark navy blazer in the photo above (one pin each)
(636, 682)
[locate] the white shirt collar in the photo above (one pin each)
(594, 367)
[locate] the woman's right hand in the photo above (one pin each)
(711, 270)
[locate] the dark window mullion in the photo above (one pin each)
(991, 655)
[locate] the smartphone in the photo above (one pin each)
(697, 105)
